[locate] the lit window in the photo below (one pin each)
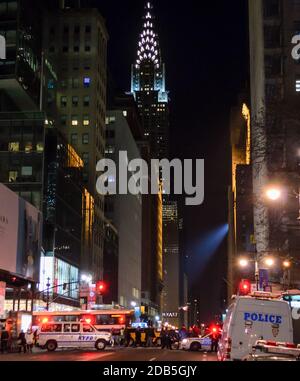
(86, 82)
(14, 146)
(12, 176)
(86, 120)
(39, 147)
(74, 120)
(28, 147)
(298, 85)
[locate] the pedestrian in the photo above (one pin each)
(29, 340)
(183, 333)
(169, 339)
(163, 338)
(121, 341)
(127, 335)
(22, 342)
(215, 337)
(196, 331)
(35, 337)
(150, 334)
(138, 337)
(4, 340)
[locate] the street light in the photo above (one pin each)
(133, 304)
(273, 193)
(243, 262)
(286, 264)
(269, 262)
(86, 278)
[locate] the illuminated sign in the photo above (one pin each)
(170, 314)
(296, 48)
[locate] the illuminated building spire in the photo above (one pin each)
(148, 45)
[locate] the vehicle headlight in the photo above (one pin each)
(184, 341)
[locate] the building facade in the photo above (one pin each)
(241, 229)
(125, 212)
(148, 85)
(171, 265)
(275, 132)
(75, 40)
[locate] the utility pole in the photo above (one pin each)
(195, 311)
(48, 293)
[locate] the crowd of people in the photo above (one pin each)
(23, 343)
(169, 338)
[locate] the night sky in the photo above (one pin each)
(205, 47)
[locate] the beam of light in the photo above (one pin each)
(207, 246)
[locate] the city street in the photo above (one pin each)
(122, 354)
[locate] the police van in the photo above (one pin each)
(252, 318)
(72, 335)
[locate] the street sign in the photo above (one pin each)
(84, 290)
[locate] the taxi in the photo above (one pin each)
(72, 335)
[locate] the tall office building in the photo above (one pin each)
(275, 84)
(171, 265)
(22, 122)
(148, 85)
(240, 237)
(125, 212)
(75, 40)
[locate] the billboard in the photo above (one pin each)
(20, 235)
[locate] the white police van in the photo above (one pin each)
(72, 335)
(252, 318)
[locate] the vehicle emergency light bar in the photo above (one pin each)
(273, 347)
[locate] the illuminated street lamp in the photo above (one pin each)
(243, 262)
(133, 304)
(286, 264)
(273, 193)
(86, 278)
(269, 262)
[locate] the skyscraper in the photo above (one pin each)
(274, 80)
(75, 39)
(148, 85)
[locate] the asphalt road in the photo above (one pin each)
(119, 354)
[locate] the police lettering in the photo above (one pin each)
(263, 318)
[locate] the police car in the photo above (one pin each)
(72, 335)
(259, 316)
(196, 344)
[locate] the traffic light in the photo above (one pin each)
(244, 287)
(101, 287)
